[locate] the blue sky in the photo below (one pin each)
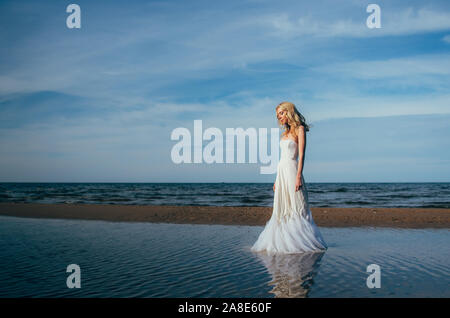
(98, 104)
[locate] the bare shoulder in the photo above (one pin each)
(301, 136)
(300, 130)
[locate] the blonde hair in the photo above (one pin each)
(295, 119)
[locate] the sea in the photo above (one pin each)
(388, 195)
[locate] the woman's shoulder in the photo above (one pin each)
(300, 131)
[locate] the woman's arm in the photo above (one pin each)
(301, 155)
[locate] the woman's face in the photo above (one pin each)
(281, 116)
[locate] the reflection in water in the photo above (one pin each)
(292, 274)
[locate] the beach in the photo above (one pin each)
(236, 215)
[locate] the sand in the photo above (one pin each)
(257, 216)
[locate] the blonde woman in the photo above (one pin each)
(291, 228)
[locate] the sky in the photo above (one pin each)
(99, 103)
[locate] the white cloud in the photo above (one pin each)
(199, 45)
(335, 105)
(435, 64)
(446, 38)
(393, 22)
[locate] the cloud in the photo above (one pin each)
(335, 105)
(446, 38)
(141, 46)
(431, 64)
(393, 23)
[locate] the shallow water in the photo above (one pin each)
(182, 260)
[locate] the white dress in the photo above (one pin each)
(292, 274)
(291, 228)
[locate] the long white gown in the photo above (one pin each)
(291, 228)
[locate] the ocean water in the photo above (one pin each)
(422, 195)
(120, 259)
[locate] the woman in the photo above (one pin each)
(291, 229)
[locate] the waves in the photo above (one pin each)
(390, 195)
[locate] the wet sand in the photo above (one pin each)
(326, 217)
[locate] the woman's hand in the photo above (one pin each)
(274, 187)
(298, 184)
